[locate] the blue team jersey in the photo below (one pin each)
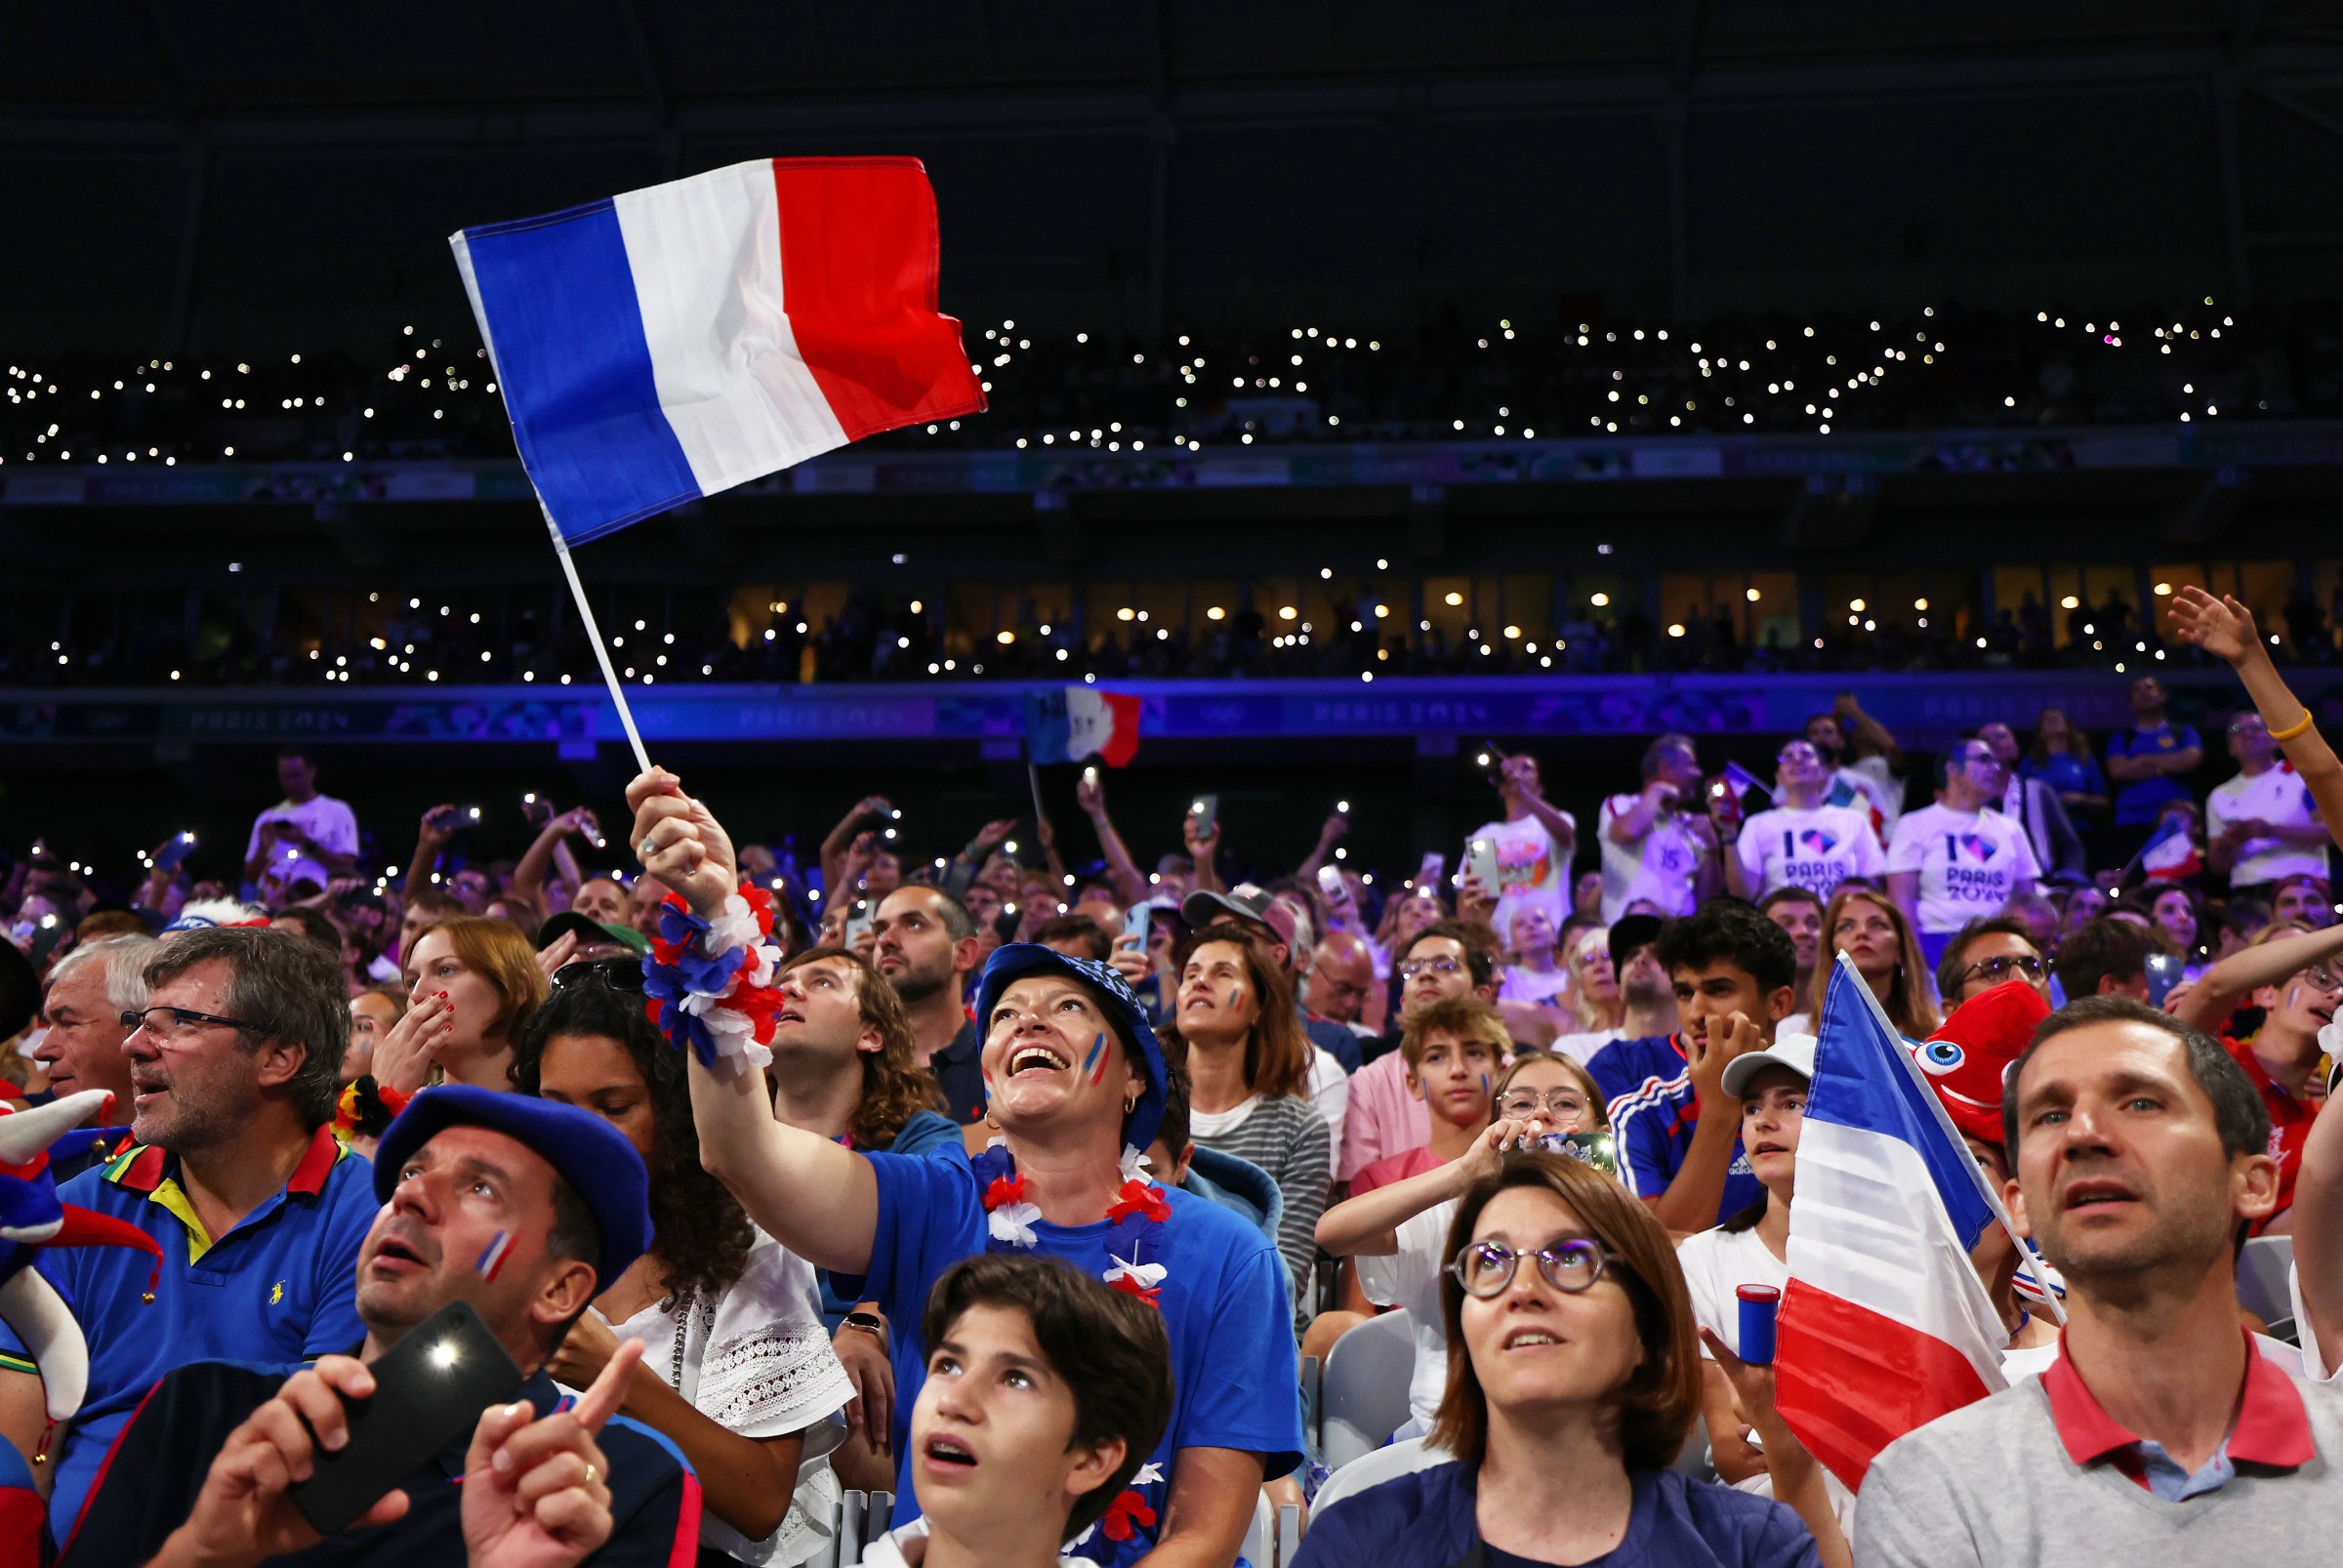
(1647, 1083)
(1234, 1383)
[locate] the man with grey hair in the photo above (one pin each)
(235, 1174)
(88, 990)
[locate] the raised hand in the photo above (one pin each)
(243, 1513)
(537, 1489)
(991, 835)
(1090, 793)
(403, 1056)
(2222, 626)
(680, 843)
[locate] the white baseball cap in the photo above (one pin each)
(1794, 1051)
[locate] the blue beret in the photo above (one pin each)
(1019, 960)
(592, 1157)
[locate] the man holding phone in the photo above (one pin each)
(1532, 844)
(518, 1208)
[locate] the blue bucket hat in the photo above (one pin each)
(1019, 960)
(592, 1156)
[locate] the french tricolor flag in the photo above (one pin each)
(674, 342)
(1067, 723)
(1884, 1326)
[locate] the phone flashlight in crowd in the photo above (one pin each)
(1760, 1303)
(2163, 973)
(1480, 860)
(1342, 808)
(890, 832)
(1330, 881)
(1205, 811)
(1089, 776)
(187, 837)
(896, 813)
(531, 799)
(473, 811)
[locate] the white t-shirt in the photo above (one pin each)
(1718, 1262)
(2276, 795)
(1816, 848)
(1330, 1092)
(1205, 1125)
(1971, 863)
(1581, 1047)
(1531, 869)
(1410, 1278)
(1662, 866)
(330, 822)
(1529, 985)
(757, 1362)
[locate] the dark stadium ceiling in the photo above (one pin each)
(263, 173)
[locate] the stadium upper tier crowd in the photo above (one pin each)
(1031, 1195)
(434, 396)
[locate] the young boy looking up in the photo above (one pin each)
(1454, 1050)
(1678, 1130)
(1045, 1390)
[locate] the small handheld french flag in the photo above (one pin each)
(1070, 722)
(2171, 852)
(674, 342)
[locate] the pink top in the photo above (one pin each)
(1383, 1118)
(1393, 1168)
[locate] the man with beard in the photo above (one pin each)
(235, 1174)
(925, 945)
(556, 1196)
(2141, 1155)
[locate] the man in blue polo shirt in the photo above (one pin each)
(234, 1172)
(1677, 1131)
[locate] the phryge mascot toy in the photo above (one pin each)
(31, 1219)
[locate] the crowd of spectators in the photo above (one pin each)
(1026, 1188)
(531, 637)
(432, 397)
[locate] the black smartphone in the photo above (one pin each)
(1205, 811)
(429, 1391)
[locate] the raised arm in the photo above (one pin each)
(1871, 731)
(528, 877)
(2318, 1238)
(2217, 993)
(430, 838)
(816, 1199)
(1367, 1226)
(2226, 628)
(1130, 883)
(870, 808)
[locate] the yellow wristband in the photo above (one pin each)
(2298, 728)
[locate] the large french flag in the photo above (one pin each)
(1884, 1326)
(674, 341)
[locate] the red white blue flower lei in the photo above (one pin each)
(709, 983)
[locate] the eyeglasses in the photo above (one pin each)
(1998, 969)
(1519, 1103)
(2321, 978)
(618, 973)
(177, 1023)
(1437, 965)
(1484, 1269)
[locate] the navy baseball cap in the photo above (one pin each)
(592, 1156)
(1017, 960)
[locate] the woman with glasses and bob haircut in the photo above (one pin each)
(1573, 1380)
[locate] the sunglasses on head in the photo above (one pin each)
(618, 973)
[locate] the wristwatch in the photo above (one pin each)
(869, 1323)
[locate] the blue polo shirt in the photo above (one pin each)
(277, 1288)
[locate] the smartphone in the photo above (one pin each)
(1589, 1149)
(1480, 860)
(176, 852)
(534, 811)
(1329, 883)
(1136, 922)
(1430, 872)
(858, 922)
(1205, 812)
(429, 1391)
(2163, 973)
(470, 813)
(1343, 809)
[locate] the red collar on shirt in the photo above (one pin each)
(151, 1163)
(2271, 1428)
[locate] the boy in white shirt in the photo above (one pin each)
(1799, 842)
(1954, 861)
(2262, 826)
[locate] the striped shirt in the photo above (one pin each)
(1286, 1137)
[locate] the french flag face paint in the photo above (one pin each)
(1095, 1062)
(492, 1260)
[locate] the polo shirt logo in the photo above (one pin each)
(276, 1293)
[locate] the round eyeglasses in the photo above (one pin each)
(1519, 1104)
(1484, 1269)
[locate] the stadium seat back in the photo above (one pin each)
(1365, 1394)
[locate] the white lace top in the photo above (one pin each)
(757, 1362)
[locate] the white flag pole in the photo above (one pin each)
(2028, 1260)
(594, 635)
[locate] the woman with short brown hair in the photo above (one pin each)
(1574, 1379)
